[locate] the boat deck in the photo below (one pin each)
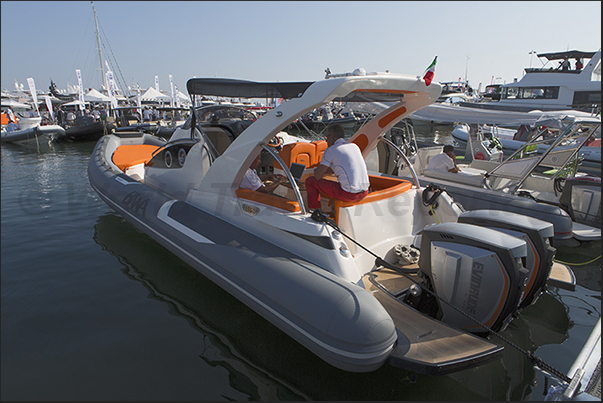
(425, 345)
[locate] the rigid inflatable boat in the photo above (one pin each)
(405, 276)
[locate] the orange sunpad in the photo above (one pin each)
(133, 154)
(268, 199)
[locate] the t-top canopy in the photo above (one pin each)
(226, 87)
(570, 54)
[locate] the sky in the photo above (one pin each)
(482, 41)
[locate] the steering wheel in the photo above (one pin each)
(276, 141)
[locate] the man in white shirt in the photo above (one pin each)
(253, 181)
(444, 162)
(345, 161)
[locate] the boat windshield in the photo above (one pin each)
(223, 114)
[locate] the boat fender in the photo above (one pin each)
(431, 200)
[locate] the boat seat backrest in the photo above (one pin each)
(300, 153)
(321, 146)
(219, 138)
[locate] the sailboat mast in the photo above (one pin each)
(100, 53)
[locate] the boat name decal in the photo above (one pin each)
(136, 202)
(474, 287)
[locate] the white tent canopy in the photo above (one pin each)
(95, 96)
(75, 103)
(182, 97)
(153, 95)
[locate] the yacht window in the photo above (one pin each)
(531, 93)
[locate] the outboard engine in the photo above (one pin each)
(581, 198)
(537, 234)
(475, 270)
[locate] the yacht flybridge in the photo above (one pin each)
(553, 87)
(405, 276)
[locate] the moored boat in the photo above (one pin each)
(36, 134)
(550, 87)
(359, 287)
(512, 140)
(546, 186)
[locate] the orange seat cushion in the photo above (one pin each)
(133, 154)
(268, 199)
(321, 146)
(301, 153)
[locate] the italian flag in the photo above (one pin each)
(430, 72)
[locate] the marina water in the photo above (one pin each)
(93, 309)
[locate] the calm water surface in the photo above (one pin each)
(93, 309)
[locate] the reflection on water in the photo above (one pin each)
(66, 312)
(192, 296)
(264, 363)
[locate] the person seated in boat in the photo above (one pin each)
(12, 126)
(256, 182)
(445, 161)
(345, 161)
(579, 64)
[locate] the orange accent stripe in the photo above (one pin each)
(384, 121)
(490, 321)
(534, 269)
(361, 141)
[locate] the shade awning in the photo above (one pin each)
(570, 54)
(226, 87)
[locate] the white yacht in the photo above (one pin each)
(552, 87)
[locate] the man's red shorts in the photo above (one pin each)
(330, 188)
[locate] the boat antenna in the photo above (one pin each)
(100, 53)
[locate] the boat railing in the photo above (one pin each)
(405, 158)
(289, 175)
(572, 131)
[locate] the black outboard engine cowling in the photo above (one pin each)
(581, 198)
(477, 270)
(537, 233)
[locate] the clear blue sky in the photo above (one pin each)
(287, 41)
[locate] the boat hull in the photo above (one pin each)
(88, 132)
(33, 134)
(338, 321)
